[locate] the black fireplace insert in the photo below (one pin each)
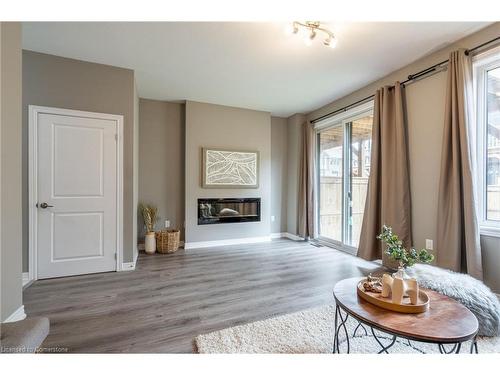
(228, 210)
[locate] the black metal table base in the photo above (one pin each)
(340, 326)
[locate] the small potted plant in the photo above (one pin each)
(150, 216)
(396, 251)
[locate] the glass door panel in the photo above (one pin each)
(360, 145)
(330, 155)
(493, 147)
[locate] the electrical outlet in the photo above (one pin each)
(429, 244)
(273, 218)
(167, 223)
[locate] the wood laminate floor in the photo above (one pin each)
(170, 299)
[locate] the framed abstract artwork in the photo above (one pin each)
(223, 168)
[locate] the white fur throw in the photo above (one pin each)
(470, 292)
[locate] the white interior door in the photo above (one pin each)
(76, 195)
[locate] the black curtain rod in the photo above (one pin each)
(411, 77)
(482, 45)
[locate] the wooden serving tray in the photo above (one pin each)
(386, 303)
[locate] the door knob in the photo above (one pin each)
(45, 205)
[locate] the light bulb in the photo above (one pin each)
(308, 38)
(289, 29)
(333, 42)
(303, 32)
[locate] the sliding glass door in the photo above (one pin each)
(343, 168)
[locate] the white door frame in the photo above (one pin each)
(34, 111)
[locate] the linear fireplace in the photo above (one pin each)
(228, 210)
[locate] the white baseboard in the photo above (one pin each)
(233, 241)
(141, 246)
(294, 237)
(290, 236)
(17, 315)
(130, 266)
(27, 279)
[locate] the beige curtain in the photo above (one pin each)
(388, 197)
(306, 183)
(457, 242)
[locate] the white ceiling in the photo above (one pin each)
(248, 65)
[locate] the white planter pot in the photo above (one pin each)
(150, 243)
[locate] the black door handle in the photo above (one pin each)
(45, 205)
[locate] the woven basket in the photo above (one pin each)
(167, 241)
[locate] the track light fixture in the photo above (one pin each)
(310, 29)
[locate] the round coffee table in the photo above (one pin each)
(445, 322)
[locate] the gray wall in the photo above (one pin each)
(234, 128)
(161, 160)
(293, 142)
(161, 164)
(425, 110)
(66, 83)
(10, 168)
(279, 174)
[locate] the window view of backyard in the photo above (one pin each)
(493, 147)
(344, 190)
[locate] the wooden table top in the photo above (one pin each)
(446, 320)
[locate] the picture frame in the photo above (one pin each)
(229, 168)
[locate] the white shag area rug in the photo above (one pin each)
(311, 331)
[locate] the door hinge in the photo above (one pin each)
(116, 257)
(116, 137)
